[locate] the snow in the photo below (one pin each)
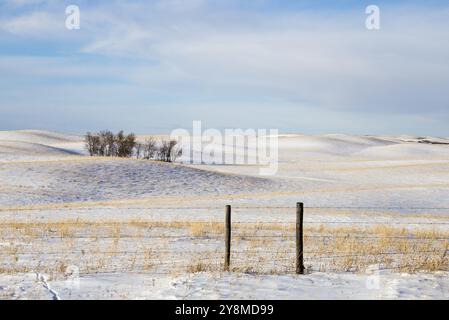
(39, 136)
(47, 177)
(104, 179)
(203, 285)
(313, 286)
(29, 145)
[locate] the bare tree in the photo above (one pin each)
(90, 144)
(149, 148)
(175, 151)
(169, 151)
(120, 144)
(139, 150)
(105, 144)
(109, 142)
(130, 144)
(93, 144)
(125, 144)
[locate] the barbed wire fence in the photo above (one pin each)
(282, 244)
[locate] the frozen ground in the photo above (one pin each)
(46, 178)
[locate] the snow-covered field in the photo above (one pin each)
(76, 227)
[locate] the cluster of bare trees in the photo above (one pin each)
(108, 144)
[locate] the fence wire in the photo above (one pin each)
(212, 257)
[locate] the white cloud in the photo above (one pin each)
(332, 63)
(21, 3)
(38, 24)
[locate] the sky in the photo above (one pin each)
(153, 66)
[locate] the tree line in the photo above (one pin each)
(107, 144)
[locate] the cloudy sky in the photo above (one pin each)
(152, 66)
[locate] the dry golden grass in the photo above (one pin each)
(202, 229)
(197, 267)
(138, 245)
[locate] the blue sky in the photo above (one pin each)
(153, 66)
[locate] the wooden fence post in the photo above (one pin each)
(227, 238)
(299, 238)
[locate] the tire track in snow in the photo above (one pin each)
(41, 278)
